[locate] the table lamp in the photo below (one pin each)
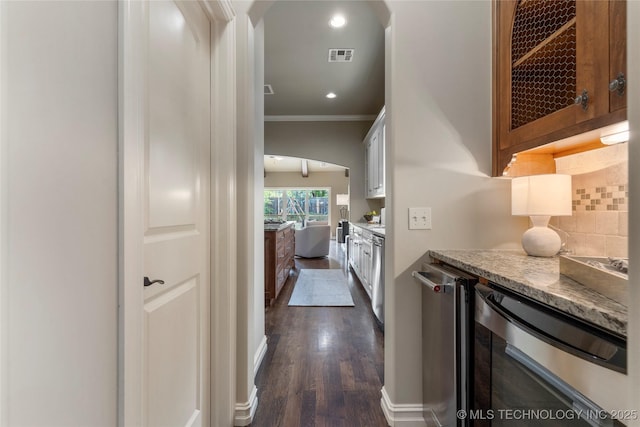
(342, 200)
(540, 197)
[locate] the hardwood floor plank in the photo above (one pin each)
(308, 412)
(323, 365)
(330, 422)
(346, 375)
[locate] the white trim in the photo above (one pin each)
(379, 118)
(432, 419)
(246, 410)
(402, 414)
(344, 118)
(4, 205)
(132, 41)
(223, 239)
(259, 356)
(218, 10)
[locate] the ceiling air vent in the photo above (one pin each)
(268, 90)
(341, 55)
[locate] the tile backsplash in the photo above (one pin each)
(600, 198)
(607, 198)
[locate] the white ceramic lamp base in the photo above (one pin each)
(540, 240)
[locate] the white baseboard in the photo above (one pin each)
(402, 415)
(244, 412)
(431, 419)
(259, 356)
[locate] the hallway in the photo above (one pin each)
(324, 365)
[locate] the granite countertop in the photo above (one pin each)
(277, 226)
(539, 279)
(374, 228)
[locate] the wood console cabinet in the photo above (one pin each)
(279, 250)
(559, 70)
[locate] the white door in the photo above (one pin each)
(176, 216)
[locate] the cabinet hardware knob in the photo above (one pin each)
(618, 84)
(148, 282)
(583, 99)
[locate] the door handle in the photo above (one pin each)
(583, 100)
(618, 84)
(148, 282)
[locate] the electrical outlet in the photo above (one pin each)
(419, 218)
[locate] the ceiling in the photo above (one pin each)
(297, 41)
(294, 164)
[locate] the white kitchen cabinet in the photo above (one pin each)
(366, 250)
(355, 249)
(375, 159)
(361, 256)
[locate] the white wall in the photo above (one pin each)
(633, 69)
(59, 213)
(339, 143)
(335, 181)
(438, 155)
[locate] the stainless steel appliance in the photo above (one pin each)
(342, 231)
(532, 360)
(447, 316)
(377, 278)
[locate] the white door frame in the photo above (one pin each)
(4, 220)
(132, 76)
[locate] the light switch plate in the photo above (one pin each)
(419, 218)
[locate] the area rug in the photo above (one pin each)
(320, 288)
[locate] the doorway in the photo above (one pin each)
(328, 132)
(175, 215)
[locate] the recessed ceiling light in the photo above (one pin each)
(331, 95)
(337, 21)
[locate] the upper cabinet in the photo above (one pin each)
(374, 159)
(559, 71)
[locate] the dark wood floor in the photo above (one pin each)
(324, 365)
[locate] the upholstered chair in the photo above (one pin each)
(313, 240)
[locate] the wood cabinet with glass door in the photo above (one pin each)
(559, 70)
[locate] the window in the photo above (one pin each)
(297, 204)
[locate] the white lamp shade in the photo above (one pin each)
(342, 199)
(544, 195)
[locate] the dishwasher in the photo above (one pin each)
(535, 358)
(377, 278)
(447, 322)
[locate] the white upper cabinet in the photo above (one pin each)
(374, 159)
